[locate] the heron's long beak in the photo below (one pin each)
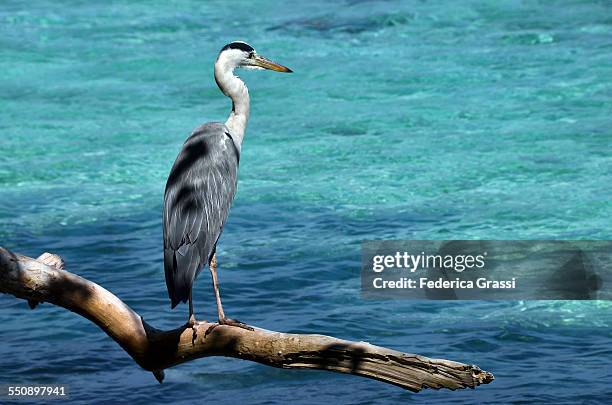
(268, 64)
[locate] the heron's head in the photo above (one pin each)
(239, 54)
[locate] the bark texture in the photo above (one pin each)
(45, 280)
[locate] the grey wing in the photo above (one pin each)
(198, 197)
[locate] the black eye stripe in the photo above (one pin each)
(239, 45)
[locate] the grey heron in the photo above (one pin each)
(202, 183)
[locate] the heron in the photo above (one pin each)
(202, 183)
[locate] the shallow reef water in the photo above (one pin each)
(403, 120)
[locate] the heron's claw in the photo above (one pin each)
(210, 328)
(233, 322)
(227, 322)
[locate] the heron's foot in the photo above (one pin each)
(227, 322)
(193, 324)
(234, 322)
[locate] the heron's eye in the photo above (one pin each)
(251, 55)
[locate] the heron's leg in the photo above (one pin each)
(191, 322)
(222, 319)
(212, 266)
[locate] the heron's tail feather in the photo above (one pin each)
(180, 270)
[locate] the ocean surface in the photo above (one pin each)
(403, 120)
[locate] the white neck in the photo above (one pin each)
(235, 89)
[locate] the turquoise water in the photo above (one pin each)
(403, 120)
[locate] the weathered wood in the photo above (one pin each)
(44, 280)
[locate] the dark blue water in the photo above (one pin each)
(403, 120)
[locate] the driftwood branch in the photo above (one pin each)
(44, 280)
